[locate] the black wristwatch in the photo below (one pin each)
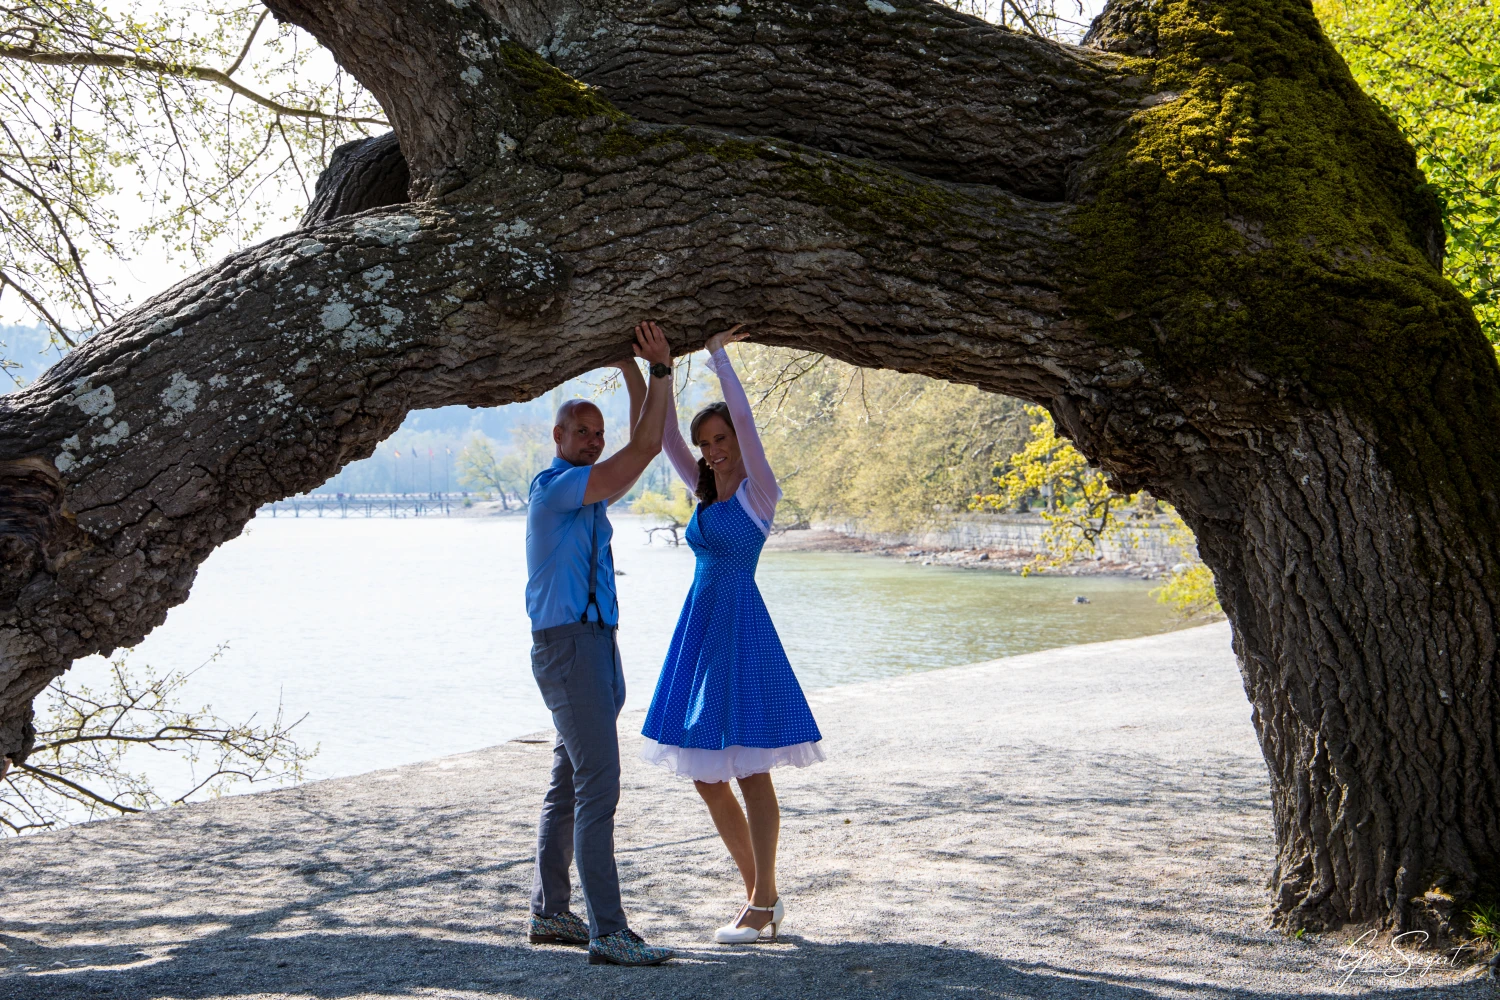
(659, 370)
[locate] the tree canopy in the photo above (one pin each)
(893, 450)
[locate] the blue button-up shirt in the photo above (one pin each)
(559, 534)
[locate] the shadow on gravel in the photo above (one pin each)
(332, 965)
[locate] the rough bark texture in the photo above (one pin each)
(1004, 109)
(362, 174)
(1196, 242)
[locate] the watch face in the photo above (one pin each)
(659, 370)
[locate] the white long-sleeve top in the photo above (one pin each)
(758, 493)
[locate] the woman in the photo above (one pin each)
(727, 704)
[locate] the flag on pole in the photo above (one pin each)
(397, 451)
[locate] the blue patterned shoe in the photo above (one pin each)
(565, 928)
(625, 948)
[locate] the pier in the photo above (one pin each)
(368, 505)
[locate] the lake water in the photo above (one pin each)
(407, 639)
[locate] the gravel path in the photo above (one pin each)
(1083, 822)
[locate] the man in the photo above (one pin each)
(570, 596)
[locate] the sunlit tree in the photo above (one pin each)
(1435, 66)
(1082, 512)
(671, 511)
(895, 451)
(214, 120)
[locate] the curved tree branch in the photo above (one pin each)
(45, 204)
(41, 57)
(916, 85)
(249, 41)
(42, 774)
(52, 322)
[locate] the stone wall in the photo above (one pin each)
(1012, 531)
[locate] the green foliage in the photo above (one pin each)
(210, 116)
(1049, 466)
(672, 511)
(895, 451)
(88, 742)
(1189, 587)
(1484, 924)
(1082, 511)
(507, 476)
(1432, 64)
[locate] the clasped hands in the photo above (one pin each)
(651, 344)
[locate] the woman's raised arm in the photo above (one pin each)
(678, 452)
(763, 492)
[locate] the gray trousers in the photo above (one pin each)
(577, 667)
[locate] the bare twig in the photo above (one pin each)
(42, 774)
(80, 758)
(673, 528)
(1016, 9)
(249, 41)
(100, 313)
(8, 282)
(786, 375)
(185, 71)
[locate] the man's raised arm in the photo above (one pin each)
(630, 372)
(613, 476)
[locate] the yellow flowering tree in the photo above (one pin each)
(1081, 511)
(674, 511)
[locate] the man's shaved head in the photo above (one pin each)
(579, 432)
(567, 413)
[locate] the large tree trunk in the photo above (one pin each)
(1194, 240)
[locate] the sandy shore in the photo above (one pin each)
(1083, 822)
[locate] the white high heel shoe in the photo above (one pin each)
(735, 934)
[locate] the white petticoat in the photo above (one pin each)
(731, 762)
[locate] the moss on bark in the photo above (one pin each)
(547, 92)
(1268, 214)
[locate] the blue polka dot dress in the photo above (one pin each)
(727, 704)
